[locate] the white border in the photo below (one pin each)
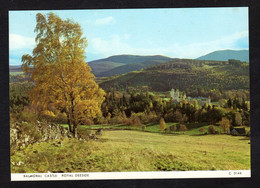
(130, 175)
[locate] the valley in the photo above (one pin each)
(158, 114)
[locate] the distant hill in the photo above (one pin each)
(117, 64)
(134, 62)
(103, 65)
(15, 68)
(129, 59)
(129, 67)
(224, 55)
(185, 75)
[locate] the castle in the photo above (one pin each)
(176, 95)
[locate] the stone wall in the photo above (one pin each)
(52, 131)
(39, 132)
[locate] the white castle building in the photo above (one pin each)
(176, 95)
(203, 100)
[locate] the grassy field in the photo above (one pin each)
(15, 73)
(128, 150)
(193, 128)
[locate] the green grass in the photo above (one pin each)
(107, 126)
(15, 73)
(193, 128)
(127, 150)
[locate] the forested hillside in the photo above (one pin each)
(129, 67)
(185, 75)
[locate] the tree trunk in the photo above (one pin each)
(69, 123)
(75, 131)
(75, 126)
(70, 126)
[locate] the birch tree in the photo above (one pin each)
(63, 81)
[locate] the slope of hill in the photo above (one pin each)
(129, 67)
(185, 75)
(129, 59)
(118, 64)
(99, 66)
(107, 64)
(224, 55)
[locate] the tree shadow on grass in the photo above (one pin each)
(198, 134)
(246, 138)
(145, 131)
(102, 140)
(168, 134)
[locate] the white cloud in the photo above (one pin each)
(116, 45)
(195, 50)
(20, 42)
(106, 20)
(111, 46)
(127, 36)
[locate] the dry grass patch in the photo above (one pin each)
(123, 150)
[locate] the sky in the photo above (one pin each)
(172, 32)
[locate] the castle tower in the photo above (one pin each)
(172, 94)
(209, 100)
(177, 95)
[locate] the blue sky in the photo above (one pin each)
(178, 32)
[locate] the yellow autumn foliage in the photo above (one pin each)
(63, 80)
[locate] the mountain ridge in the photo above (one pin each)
(114, 62)
(225, 55)
(121, 64)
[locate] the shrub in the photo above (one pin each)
(61, 118)
(28, 116)
(143, 117)
(152, 117)
(212, 129)
(88, 122)
(224, 124)
(128, 122)
(162, 124)
(102, 120)
(183, 128)
(30, 129)
(238, 119)
(108, 117)
(248, 133)
(83, 133)
(13, 118)
(173, 128)
(202, 130)
(48, 116)
(118, 118)
(136, 121)
(167, 129)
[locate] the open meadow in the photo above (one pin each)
(132, 150)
